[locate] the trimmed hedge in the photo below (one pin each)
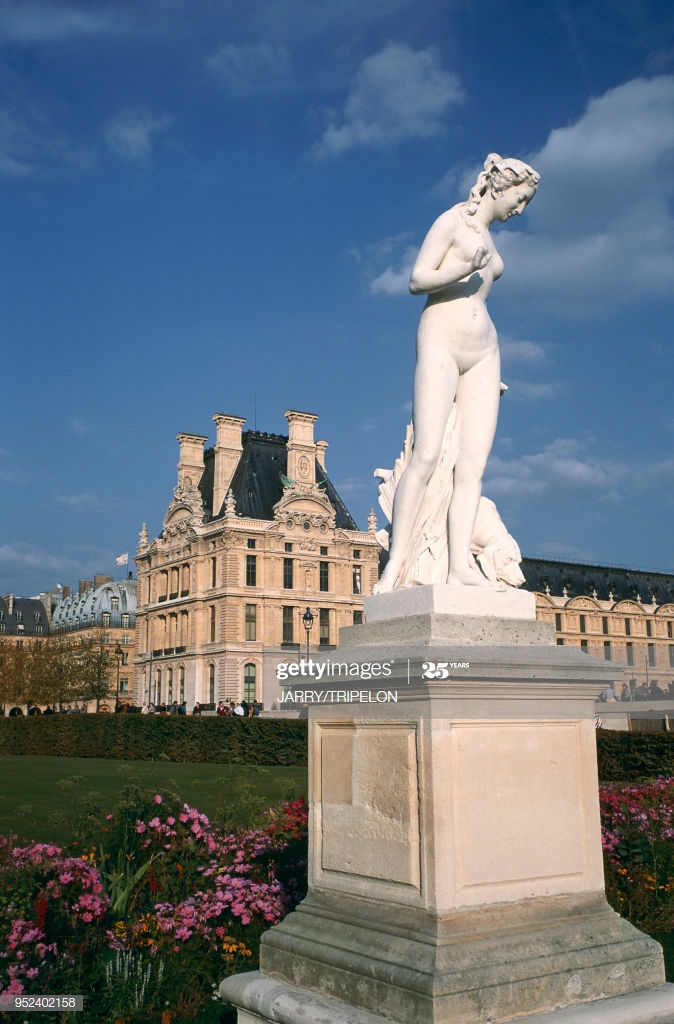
(622, 756)
(269, 741)
(634, 756)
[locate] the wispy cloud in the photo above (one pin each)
(397, 94)
(560, 552)
(44, 22)
(353, 485)
(130, 134)
(31, 145)
(78, 500)
(533, 390)
(251, 70)
(514, 351)
(79, 426)
(564, 469)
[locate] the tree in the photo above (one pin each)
(56, 670)
(12, 673)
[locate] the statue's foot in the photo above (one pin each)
(386, 580)
(472, 578)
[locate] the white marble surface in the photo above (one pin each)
(457, 382)
(450, 600)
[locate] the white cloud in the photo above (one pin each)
(398, 94)
(130, 134)
(250, 70)
(37, 23)
(395, 280)
(521, 351)
(601, 229)
(563, 470)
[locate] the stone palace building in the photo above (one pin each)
(254, 536)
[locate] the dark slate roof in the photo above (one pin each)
(257, 485)
(579, 578)
(27, 614)
(82, 611)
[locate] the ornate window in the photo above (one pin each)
(249, 678)
(288, 629)
(324, 625)
(251, 622)
(288, 573)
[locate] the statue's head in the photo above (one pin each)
(498, 175)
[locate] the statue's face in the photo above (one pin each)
(512, 201)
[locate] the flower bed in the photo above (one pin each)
(638, 841)
(147, 921)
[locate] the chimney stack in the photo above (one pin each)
(320, 453)
(191, 461)
(228, 449)
(301, 446)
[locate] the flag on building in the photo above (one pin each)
(123, 559)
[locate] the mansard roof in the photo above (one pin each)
(610, 583)
(23, 616)
(81, 611)
(257, 484)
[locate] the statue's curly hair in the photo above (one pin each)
(499, 174)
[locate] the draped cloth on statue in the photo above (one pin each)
(496, 553)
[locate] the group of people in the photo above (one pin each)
(240, 709)
(164, 709)
(642, 691)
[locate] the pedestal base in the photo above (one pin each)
(455, 863)
(263, 1000)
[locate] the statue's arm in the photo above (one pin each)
(440, 262)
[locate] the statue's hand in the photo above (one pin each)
(481, 258)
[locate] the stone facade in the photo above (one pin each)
(254, 535)
(619, 615)
(106, 610)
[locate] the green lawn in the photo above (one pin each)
(42, 798)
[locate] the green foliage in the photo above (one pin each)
(196, 739)
(634, 757)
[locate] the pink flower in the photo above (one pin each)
(157, 798)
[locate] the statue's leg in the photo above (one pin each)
(478, 400)
(435, 382)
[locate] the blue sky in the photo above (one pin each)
(212, 207)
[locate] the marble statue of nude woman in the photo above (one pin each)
(457, 382)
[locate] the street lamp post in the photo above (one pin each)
(307, 622)
(118, 654)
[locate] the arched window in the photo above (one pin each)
(157, 687)
(249, 677)
(169, 684)
(211, 684)
(181, 679)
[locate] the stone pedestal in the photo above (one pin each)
(455, 867)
